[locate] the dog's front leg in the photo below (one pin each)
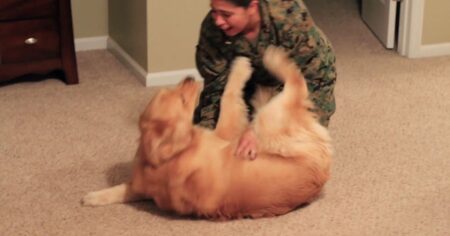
(233, 110)
(118, 194)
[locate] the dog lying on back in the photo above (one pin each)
(193, 171)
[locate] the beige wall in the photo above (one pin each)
(90, 18)
(158, 35)
(173, 29)
(128, 27)
(436, 23)
(161, 35)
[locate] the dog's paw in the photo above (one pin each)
(241, 70)
(275, 58)
(93, 199)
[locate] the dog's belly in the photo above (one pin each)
(231, 187)
(273, 185)
(215, 183)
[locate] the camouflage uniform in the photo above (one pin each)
(285, 23)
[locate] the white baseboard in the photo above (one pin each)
(126, 59)
(90, 43)
(149, 79)
(431, 50)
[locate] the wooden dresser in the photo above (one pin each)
(36, 38)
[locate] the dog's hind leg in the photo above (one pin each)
(233, 110)
(288, 107)
(285, 126)
(118, 194)
(279, 64)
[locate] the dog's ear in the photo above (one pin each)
(162, 141)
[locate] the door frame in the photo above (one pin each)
(411, 32)
(410, 28)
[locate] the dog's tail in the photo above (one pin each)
(278, 63)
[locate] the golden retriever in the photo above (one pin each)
(193, 171)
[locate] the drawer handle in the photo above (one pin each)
(31, 41)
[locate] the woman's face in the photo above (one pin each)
(231, 19)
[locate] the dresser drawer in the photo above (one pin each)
(36, 39)
(27, 9)
(28, 40)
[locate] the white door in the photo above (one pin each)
(380, 15)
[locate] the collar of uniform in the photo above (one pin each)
(238, 44)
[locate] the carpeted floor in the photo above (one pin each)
(391, 172)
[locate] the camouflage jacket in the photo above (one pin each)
(285, 23)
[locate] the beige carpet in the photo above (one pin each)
(391, 172)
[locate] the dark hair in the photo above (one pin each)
(240, 3)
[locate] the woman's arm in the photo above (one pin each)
(214, 68)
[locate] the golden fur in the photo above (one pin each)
(193, 171)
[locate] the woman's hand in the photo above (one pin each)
(247, 145)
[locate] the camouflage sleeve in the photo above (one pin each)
(214, 68)
(312, 51)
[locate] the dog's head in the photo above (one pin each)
(166, 124)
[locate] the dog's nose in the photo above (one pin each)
(189, 79)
